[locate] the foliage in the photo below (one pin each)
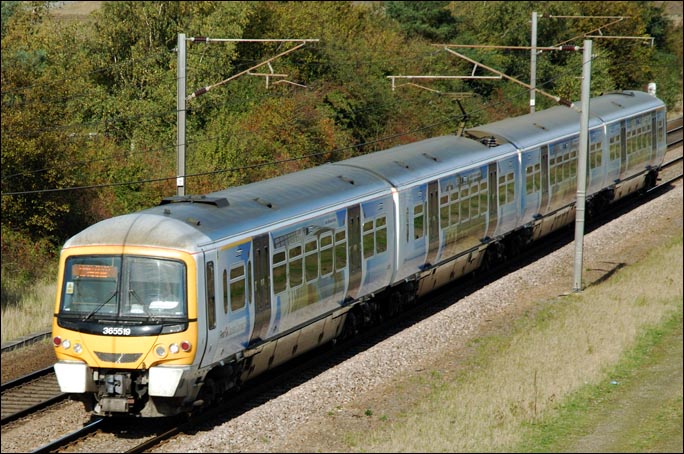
(428, 19)
(91, 104)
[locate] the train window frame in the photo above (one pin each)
(295, 266)
(340, 250)
(506, 186)
(532, 178)
(225, 291)
(368, 238)
(279, 268)
(311, 269)
(381, 234)
(326, 244)
(418, 221)
(211, 295)
(238, 279)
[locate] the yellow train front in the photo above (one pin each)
(125, 324)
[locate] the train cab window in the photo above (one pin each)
(279, 272)
(418, 221)
(237, 288)
(124, 286)
(91, 284)
(211, 296)
(311, 260)
(326, 254)
(155, 287)
(295, 266)
(340, 250)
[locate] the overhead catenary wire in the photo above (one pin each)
(252, 166)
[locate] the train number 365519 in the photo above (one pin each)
(116, 331)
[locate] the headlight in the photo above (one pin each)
(160, 351)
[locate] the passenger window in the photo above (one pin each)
(381, 235)
(340, 250)
(211, 296)
(295, 265)
(225, 291)
(237, 288)
(418, 221)
(368, 240)
(326, 254)
(279, 272)
(311, 260)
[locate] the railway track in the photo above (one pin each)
(95, 435)
(29, 394)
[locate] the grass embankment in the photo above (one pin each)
(27, 308)
(549, 382)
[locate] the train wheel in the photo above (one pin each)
(207, 395)
(351, 326)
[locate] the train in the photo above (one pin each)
(163, 311)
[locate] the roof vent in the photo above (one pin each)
(489, 141)
(345, 179)
(219, 202)
(263, 202)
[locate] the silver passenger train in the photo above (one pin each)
(162, 311)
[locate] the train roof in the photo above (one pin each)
(530, 130)
(407, 164)
(527, 131)
(617, 105)
(188, 222)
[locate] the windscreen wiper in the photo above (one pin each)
(100, 306)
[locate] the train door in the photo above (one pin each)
(210, 291)
(544, 156)
(660, 135)
(493, 209)
(262, 288)
(623, 149)
(532, 184)
(355, 264)
(433, 222)
(596, 165)
(508, 194)
(232, 300)
(614, 140)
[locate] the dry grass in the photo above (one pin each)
(516, 380)
(33, 313)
